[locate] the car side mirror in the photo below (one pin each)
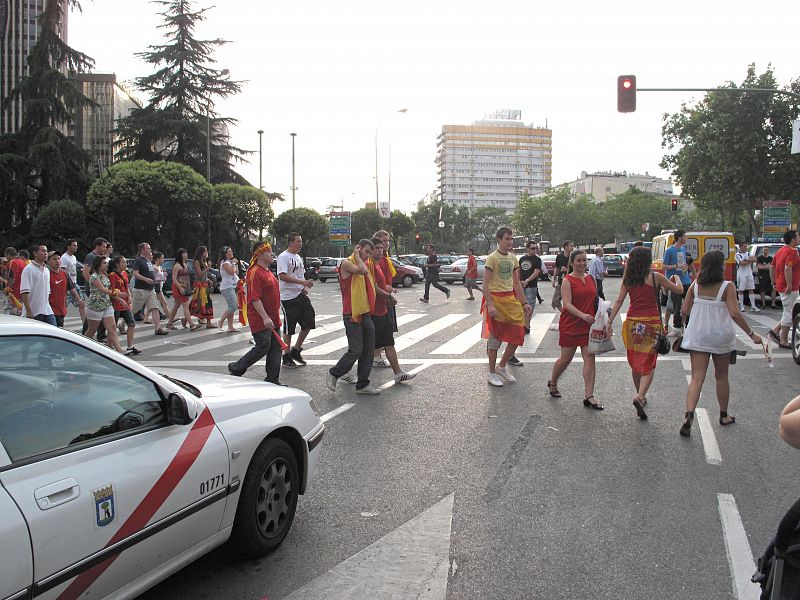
(178, 410)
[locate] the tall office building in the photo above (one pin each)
(493, 161)
(93, 127)
(19, 32)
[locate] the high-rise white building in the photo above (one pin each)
(493, 161)
(19, 32)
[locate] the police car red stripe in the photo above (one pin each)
(185, 457)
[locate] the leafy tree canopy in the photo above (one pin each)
(305, 221)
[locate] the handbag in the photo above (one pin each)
(662, 343)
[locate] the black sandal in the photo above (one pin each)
(553, 389)
(724, 415)
(637, 404)
(593, 405)
(686, 428)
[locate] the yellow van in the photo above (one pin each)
(697, 244)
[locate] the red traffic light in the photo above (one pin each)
(674, 205)
(417, 238)
(626, 93)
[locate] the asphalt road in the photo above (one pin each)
(447, 487)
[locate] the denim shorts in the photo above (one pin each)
(230, 297)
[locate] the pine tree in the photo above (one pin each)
(174, 124)
(39, 163)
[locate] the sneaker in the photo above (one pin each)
(505, 375)
(514, 361)
(128, 352)
(425, 300)
(132, 350)
(331, 380)
(402, 376)
(294, 354)
(122, 328)
(232, 371)
(287, 362)
(368, 391)
(553, 327)
(527, 330)
(675, 332)
(753, 309)
(380, 364)
(741, 308)
(494, 379)
(349, 378)
(448, 294)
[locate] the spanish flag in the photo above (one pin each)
(362, 291)
(509, 324)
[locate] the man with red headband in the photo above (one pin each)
(263, 314)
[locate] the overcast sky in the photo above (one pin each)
(331, 71)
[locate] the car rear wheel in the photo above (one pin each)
(268, 500)
(407, 281)
(796, 338)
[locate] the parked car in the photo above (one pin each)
(456, 272)
(442, 259)
(614, 264)
(214, 276)
(406, 275)
(312, 265)
(114, 476)
(795, 339)
(329, 269)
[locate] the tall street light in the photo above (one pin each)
(260, 164)
(377, 187)
(294, 188)
(208, 155)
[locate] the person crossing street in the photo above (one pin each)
(432, 275)
(297, 307)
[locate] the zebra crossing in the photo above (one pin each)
(455, 336)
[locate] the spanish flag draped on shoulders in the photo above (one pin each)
(508, 325)
(358, 292)
(261, 285)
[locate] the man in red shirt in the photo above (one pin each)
(60, 285)
(15, 268)
(471, 276)
(386, 266)
(785, 271)
(263, 314)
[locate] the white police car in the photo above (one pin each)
(112, 476)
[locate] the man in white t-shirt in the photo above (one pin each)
(744, 276)
(69, 263)
(35, 288)
(297, 308)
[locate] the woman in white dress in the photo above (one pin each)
(712, 308)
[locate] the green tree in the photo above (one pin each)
(240, 211)
(401, 228)
(175, 123)
(164, 203)
(458, 230)
(488, 220)
(39, 163)
(731, 150)
(305, 221)
(365, 222)
(622, 215)
(58, 222)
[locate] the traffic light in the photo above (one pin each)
(626, 93)
(674, 205)
(417, 238)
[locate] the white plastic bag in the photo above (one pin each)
(600, 341)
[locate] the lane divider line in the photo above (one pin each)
(710, 446)
(336, 412)
(740, 557)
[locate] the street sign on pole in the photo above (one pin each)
(339, 228)
(777, 219)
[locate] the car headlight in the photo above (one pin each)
(313, 406)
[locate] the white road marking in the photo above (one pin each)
(431, 361)
(419, 334)
(413, 561)
(539, 328)
(341, 342)
(462, 342)
(763, 320)
(413, 371)
(710, 446)
(740, 557)
(221, 340)
(336, 412)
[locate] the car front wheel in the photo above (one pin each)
(407, 281)
(796, 338)
(323, 279)
(268, 500)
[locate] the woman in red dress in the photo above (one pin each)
(579, 294)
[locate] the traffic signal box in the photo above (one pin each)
(674, 205)
(626, 93)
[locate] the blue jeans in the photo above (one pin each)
(266, 345)
(360, 346)
(49, 319)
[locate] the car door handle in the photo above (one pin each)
(57, 493)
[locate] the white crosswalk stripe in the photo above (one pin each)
(540, 324)
(462, 342)
(341, 342)
(412, 337)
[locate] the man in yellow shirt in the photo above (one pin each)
(504, 307)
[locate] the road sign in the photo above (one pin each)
(340, 242)
(339, 228)
(777, 219)
(383, 209)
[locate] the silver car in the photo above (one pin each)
(329, 269)
(457, 271)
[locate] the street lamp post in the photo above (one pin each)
(294, 187)
(377, 187)
(260, 164)
(208, 155)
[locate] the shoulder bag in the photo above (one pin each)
(662, 343)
